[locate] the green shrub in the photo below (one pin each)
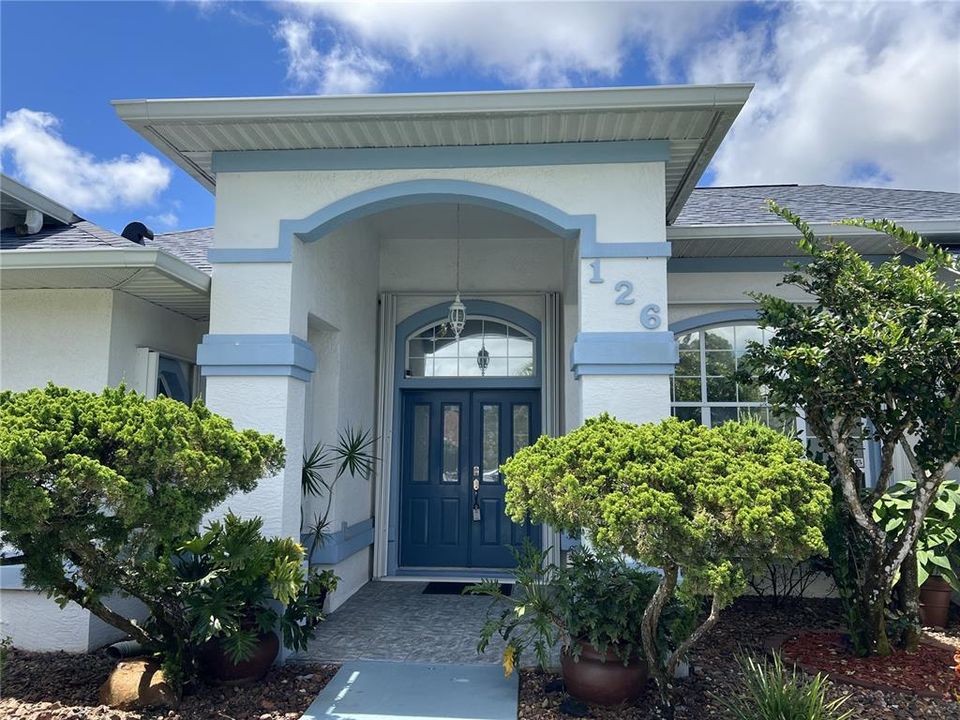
(99, 490)
(597, 598)
(231, 579)
(771, 692)
(711, 503)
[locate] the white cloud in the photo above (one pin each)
(846, 92)
(341, 69)
(524, 44)
(164, 221)
(47, 163)
(850, 93)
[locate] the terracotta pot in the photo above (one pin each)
(603, 679)
(935, 596)
(222, 670)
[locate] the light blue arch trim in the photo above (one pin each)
(715, 318)
(575, 153)
(252, 355)
(624, 353)
(405, 328)
(426, 191)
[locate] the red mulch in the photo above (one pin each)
(929, 671)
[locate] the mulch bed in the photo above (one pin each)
(64, 686)
(745, 627)
(929, 671)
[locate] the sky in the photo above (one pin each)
(847, 93)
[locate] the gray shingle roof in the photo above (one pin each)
(189, 245)
(815, 203)
(78, 236)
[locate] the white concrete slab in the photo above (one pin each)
(372, 690)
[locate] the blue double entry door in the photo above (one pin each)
(451, 489)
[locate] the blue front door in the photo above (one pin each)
(451, 491)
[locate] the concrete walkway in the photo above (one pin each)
(371, 690)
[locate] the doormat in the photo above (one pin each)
(457, 588)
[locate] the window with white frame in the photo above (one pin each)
(705, 388)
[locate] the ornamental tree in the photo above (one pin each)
(710, 504)
(875, 353)
(100, 490)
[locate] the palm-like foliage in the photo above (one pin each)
(230, 578)
(772, 692)
(352, 455)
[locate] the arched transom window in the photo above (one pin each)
(704, 387)
(487, 348)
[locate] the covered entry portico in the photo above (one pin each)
(340, 226)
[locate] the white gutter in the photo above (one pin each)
(663, 97)
(32, 199)
(133, 259)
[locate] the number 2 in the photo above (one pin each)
(626, 290)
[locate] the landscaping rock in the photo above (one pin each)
(138, 683)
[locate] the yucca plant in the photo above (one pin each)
(770, 691)
(352, 454)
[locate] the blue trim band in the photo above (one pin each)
(778, 263)
(420, 192)
(715, 318)
(624, 353)
(264, 355)
(463, 156)
(340, 545)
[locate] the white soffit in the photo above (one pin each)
(694, 118)
(149, 274)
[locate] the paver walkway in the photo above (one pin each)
(396, 621)
(376, 690)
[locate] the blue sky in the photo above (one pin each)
(846, 92)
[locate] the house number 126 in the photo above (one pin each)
(649, 314)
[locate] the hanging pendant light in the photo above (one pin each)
(457, 314)
(483, 359)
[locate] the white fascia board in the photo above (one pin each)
(38, 201)
(434, 104)
(785, 230)
(146, 258)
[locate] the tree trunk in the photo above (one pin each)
(648, 635)
(908, 601)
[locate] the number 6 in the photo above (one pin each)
(650, 316)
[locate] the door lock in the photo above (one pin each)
(476, 493)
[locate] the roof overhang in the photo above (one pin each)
(150, 274)
(693, 118)
(16, 199)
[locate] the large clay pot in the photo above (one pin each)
(603, 679)
(935, 596)
(221, 669)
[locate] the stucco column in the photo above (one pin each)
(256, 366)
(624, 354)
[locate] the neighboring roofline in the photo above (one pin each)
(725, 99)
(931, 228)
(142, 258)
(38, 201)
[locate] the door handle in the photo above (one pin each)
(476, 493)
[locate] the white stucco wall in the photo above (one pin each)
(59, 336)
(136, 323)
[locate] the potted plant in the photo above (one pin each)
(592, 608)
(937, 544)
(238, 586)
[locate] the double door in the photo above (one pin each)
(451, 489)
